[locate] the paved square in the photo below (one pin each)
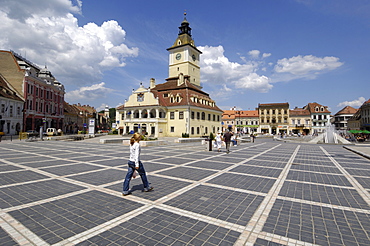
(263, 193)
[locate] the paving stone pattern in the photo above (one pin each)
(262, 193)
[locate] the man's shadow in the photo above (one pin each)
(139, 187)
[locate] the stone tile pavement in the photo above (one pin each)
(263, 193)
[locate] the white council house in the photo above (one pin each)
(177, 106)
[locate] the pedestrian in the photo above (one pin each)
(252, 137)
(134, 163)
(218, 141)
(233, 139)
(227, 139)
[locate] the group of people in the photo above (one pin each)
(136, 166)
(227, 138)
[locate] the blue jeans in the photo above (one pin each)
(130, 172)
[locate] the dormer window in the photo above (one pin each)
(317, 109)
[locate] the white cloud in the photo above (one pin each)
(355, 103)
(218, 70)
(22, 10)
(88, 93)
(48, 33)
(307, 67)
(254, 82)
(254, 53)
(101, 107)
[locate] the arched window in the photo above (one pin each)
(152, 113)
(162, 114)
(203, 116)
(136, 114)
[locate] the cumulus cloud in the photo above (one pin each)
(101, 107)
(88, 93)
(254, 82)
(253, 73)
(48, 33)
(218, 70)
(254, 53)
(355, 103)
(307, 67)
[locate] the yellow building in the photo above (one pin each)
(300, 120)
(175, 107)
(274, 117)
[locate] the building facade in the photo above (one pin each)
(11, 109)
(176, 107)
(342, 116)
(228, 120)
(274, 118)
(320, 117)
(365, 115)
(42, 93)
(247, 121)
(300, 121)
(354, 123)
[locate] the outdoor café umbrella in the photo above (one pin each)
(354, 131)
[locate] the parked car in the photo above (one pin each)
(32, 133)
(51, 132)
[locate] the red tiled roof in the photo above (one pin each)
(347, 110)
(299, 112)
(311, 107)
(185, 91)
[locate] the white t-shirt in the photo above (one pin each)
(135, 153)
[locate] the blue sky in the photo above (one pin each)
(295, 51)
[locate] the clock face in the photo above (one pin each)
(194, 58)
(178, 56)
(140, 97)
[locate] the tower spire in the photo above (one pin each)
(185, 28)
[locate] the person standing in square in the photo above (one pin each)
(227, 140)
(134, 163)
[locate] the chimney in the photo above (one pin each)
(180, 81)
(152, 83)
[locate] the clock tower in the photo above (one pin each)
(184, 56)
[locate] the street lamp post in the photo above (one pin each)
(239, 124)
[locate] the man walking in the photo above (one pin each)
(227, 139)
